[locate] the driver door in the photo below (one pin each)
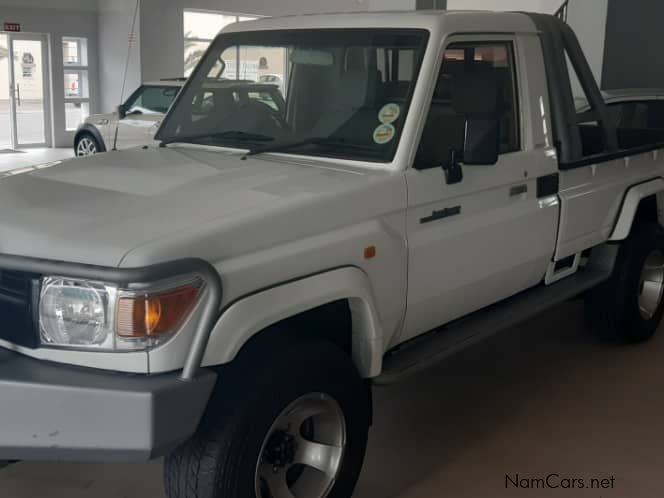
(490, 235)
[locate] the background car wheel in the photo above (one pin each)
(629, 306)
(86, 145)
(286, 424)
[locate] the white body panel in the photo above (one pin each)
(592, 197)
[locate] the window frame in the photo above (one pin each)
(506, 39)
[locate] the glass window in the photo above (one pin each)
(205, 25)
(637, 115)
(151, 100)
(71, 52)
(466, 64)
(75, 114)
(340, 102)
(76, 85)
(200, 28)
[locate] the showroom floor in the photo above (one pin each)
(31, 157)
(542, 399)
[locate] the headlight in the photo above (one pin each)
(92, 315)
(75, 313)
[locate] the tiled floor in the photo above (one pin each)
(31, 157)
(544, 398)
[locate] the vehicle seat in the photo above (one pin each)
(455, 97)
(351, 112)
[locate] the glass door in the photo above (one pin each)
(6, 121)
(27, 89)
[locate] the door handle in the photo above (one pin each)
(518, 190)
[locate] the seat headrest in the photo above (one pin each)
(355, 90)
(475, 92)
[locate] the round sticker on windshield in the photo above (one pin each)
(389, 113)
(384, 134)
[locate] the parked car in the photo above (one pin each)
(228, 298)
(136, 121)
(632, 108)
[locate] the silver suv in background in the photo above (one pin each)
(136, 120)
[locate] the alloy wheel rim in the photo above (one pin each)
(651, 284)
(86, 147)
(302, 452)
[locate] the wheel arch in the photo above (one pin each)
(302, 301)
(645, 200)
(90, 130)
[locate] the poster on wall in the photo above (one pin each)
(28, 65)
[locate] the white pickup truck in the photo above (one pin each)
(228, 298)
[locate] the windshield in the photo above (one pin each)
(316, 92)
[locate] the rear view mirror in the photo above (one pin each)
(482, 141)
(311, 57)
(122, 113)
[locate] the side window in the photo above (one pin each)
(629, 115)
(656, 114)
(152, 100)
(475, 66)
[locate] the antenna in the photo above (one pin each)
(131, 41)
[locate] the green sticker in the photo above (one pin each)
(384, 134)
(389, 113)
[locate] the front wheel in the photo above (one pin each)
(292, 423)
(87, 145)
(629, 306)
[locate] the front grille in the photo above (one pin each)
(19, 293)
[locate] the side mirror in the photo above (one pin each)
(482, 141)
(122, 112)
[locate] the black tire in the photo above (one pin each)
(85, 139)
(220, 461)
(612, 309)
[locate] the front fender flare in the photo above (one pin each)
(631, 203)
(248, 316)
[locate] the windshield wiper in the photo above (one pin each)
(294, 144)
(224, 135)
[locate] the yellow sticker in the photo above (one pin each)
(389, 113)
(384, 134)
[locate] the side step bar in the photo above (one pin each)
(428, 350)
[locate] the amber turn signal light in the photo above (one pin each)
(153, 315)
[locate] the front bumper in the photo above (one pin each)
(50, 411)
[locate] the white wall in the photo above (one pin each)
(75, 18)
(115, 20)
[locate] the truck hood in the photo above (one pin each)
(143, 206)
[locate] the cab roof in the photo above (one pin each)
(430, 20)
(174, 82)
